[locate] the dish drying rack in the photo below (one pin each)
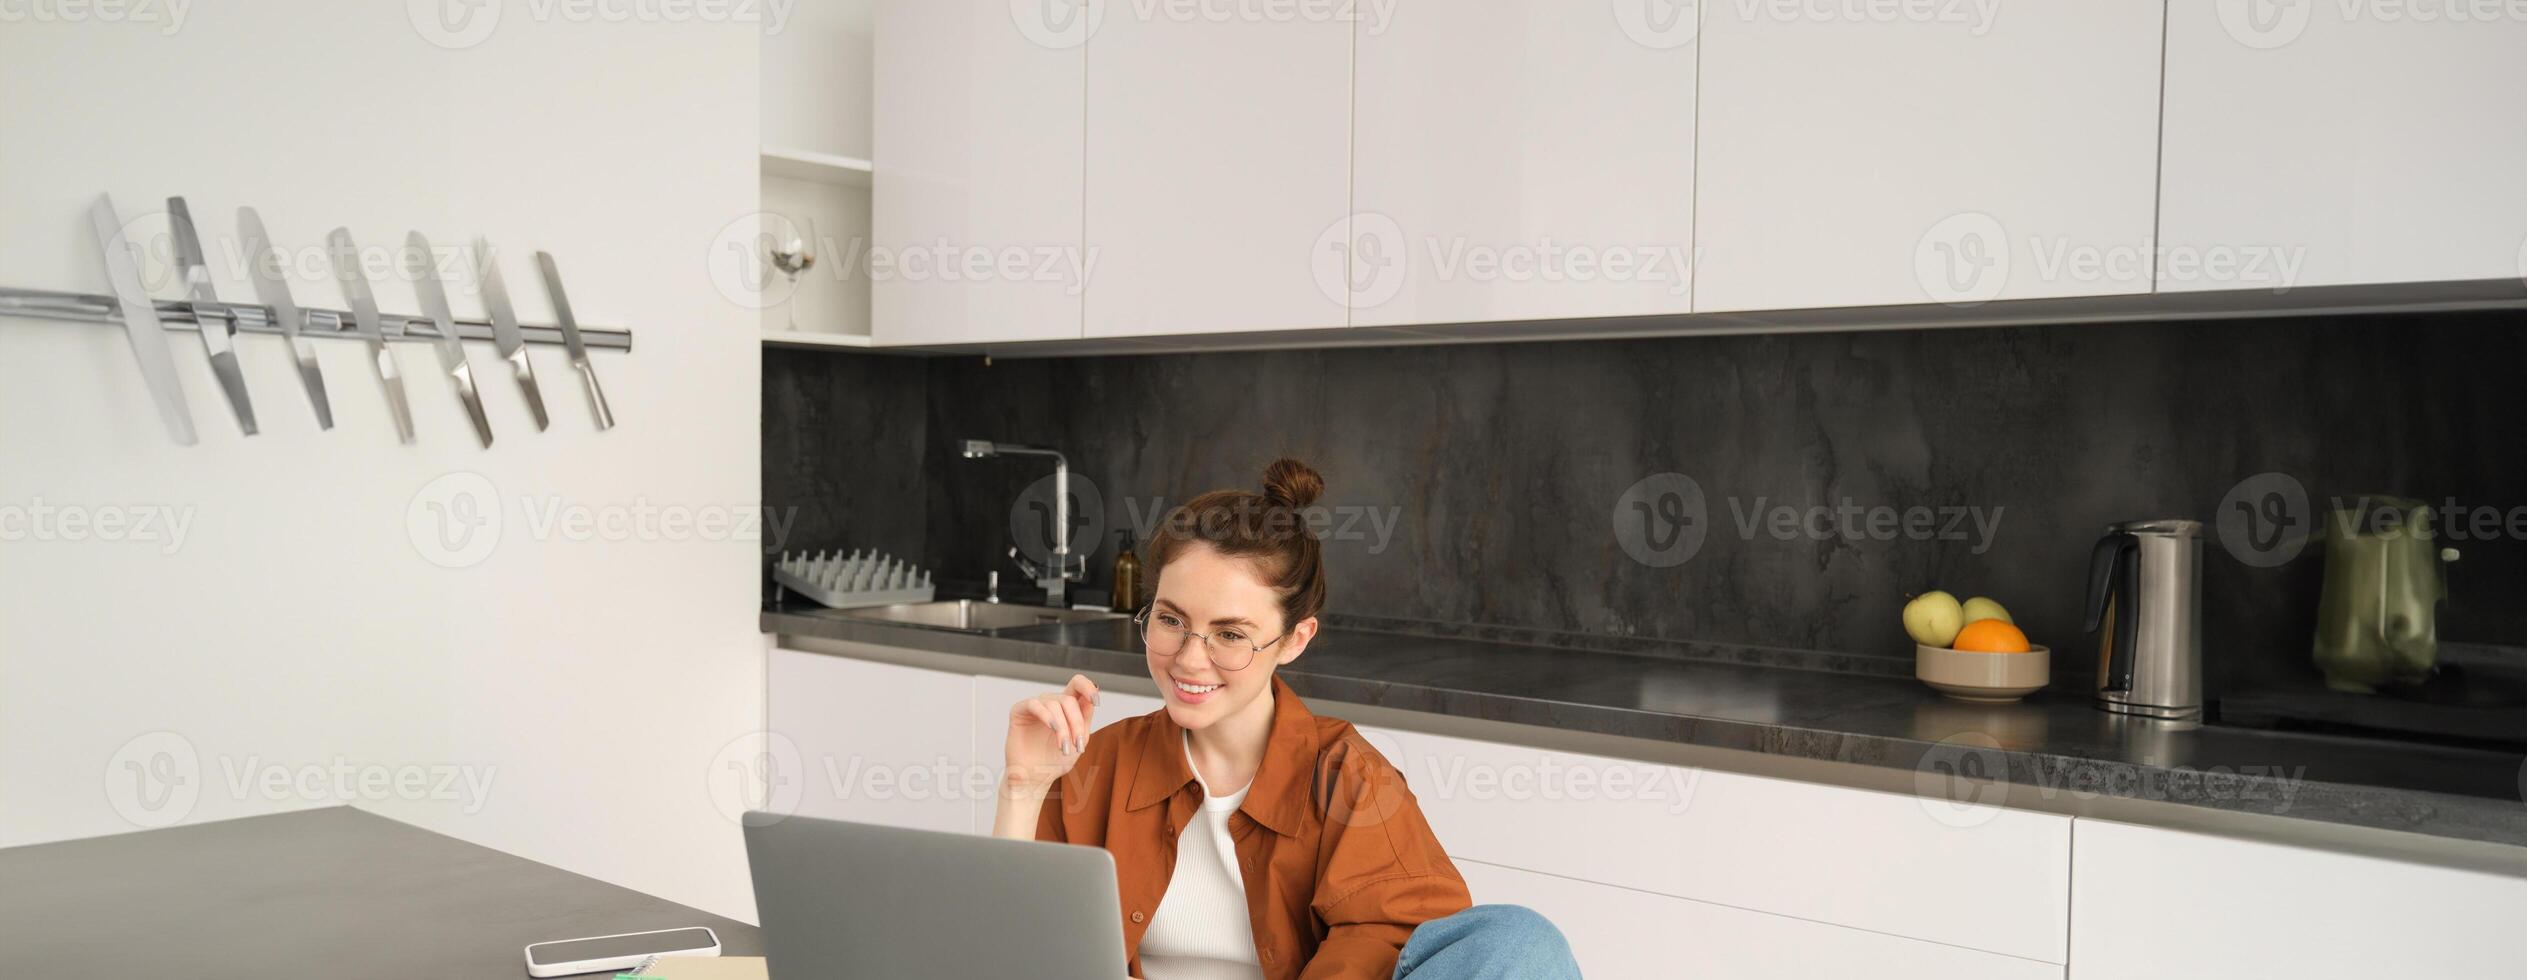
(861, 578)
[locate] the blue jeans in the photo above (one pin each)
(1487, 942)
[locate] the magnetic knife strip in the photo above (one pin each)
(146, 321)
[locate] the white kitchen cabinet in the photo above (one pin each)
(1622, 933)
(1515, 160)
(1988, 879)
(1218, 169)
(2363, 143)
(2152, 904)
(975, 220)
(1866, 154)
(993, 697)
(877, 743)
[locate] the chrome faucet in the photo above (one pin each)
(1055, 576)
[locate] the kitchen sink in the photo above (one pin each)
(972, 616)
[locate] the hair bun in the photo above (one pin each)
(1291, 483)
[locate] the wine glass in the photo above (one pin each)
(795, 255)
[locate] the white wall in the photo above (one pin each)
(297, 623)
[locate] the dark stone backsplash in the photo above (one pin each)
(1479, 483)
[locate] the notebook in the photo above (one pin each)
(701, 968)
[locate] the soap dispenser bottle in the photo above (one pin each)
(1127, 574)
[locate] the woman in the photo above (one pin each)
(1252, 838)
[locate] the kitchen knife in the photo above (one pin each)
(366, 323)
(140, 322)
(504, 330)
(218, 327)
(571, 340)
(433, 295)
(263, 265)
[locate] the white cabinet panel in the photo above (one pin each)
(1517, 160)
(877, 743)
(1219, 164)
(2151, 904)
(1988, 879)
(1860, 154)
(993, 697)
(1619, 934)
(2369, 142)
(975, 207)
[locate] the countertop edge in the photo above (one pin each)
(2443, 828)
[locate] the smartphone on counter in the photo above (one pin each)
(623, 951)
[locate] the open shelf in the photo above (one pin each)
(808, 338)
(826, 168)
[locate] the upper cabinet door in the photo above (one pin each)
(2318, 144)
(975, 207)
(1518, 160)
(1864, 154)
(1219, 156)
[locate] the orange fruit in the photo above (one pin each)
(1991, 636)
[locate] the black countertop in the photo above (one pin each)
(2053, 744)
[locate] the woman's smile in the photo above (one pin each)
(1189, 692)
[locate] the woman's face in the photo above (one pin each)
(1222, 598)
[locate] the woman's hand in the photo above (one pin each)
(1048, 731)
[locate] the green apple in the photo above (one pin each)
(1983, 608)
(1933, 618)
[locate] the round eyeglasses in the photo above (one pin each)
(1230, 647)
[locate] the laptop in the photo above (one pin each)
(855, 901)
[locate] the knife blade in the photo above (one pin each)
(263, 265)
(140, 322)
(218, 327)
(504, 330)
(451, 348)
(366, 323)
(571, 341)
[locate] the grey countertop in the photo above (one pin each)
(2053, 744)
(335, 892)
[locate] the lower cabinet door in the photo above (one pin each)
(993, 696)
(1620, 933)
(2153, 904)
(876, 743)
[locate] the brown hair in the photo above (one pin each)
(1267, 529)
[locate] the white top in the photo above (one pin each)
(1200, 931)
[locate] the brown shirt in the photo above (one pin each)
(1338, 864)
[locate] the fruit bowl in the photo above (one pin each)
(1983, 678)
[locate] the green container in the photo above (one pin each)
(2378, 620)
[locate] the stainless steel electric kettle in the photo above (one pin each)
(2145, 592)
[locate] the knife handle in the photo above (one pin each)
(596, 395)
